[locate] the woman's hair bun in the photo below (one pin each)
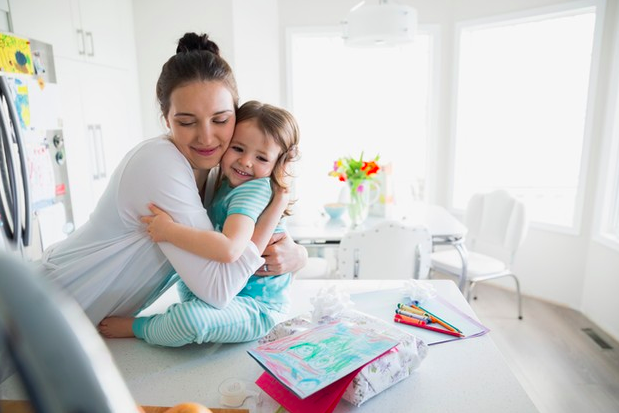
(192, 41)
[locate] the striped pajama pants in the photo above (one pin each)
(194, 321)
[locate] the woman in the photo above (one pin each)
(110, 265)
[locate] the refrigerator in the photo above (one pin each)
(35, 196)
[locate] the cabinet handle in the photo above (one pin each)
(81, 44)
(101, 152)
(92, 44)
(94, 159)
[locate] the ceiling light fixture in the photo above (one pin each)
(383, 24)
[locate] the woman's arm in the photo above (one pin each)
(158, 173)
(225, 247)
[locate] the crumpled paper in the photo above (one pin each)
(330, 303)
(418, 290)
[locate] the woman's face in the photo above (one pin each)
(201, 119)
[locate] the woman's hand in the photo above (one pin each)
(158, 223)
(282, 256)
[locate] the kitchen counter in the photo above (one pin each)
(468, 375)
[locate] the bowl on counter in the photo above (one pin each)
(335, 210)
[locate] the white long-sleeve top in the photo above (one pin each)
(110, 265)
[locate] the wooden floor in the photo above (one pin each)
(559, 366)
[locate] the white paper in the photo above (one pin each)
(44, 105)
(40, 174)
(51, 221)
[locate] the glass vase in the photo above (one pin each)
(359, 204)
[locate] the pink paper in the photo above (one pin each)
(323, 401)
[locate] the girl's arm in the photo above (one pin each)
(224, 247)
(268, 220)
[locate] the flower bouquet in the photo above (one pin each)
(359, 174)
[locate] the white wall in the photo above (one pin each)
(256, 50)
(602, 269)
(567, 269)
(158, 26)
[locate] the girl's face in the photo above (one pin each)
(201, 119)
(251, 154)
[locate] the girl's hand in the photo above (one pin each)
(158, 223)
(281, 196)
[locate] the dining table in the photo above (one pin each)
(319, 232)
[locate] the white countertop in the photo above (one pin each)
(465, 376)
(468, 375)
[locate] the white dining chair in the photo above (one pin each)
(316, 268)
(497, 224)
(390, 250)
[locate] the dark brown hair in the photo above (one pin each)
(196, 59)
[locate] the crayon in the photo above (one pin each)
(413, 315)
(410, 319)
(417, 323)
(409, 309)
(439, 320)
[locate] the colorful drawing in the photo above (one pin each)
(309, 361)
(15, 55)
(19, 90)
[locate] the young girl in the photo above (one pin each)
(265, 141)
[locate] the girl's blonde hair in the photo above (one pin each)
(281, 126)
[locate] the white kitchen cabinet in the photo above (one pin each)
(96, 70)
(50, 21)
(94, 31)
(100, 125)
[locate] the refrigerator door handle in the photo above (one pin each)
(23, 171)
(81, 43)
(8, 199)
(23, 168)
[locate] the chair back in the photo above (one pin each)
(496, 223)
(56, 352)
(390, 250)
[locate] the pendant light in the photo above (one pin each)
(385, 23)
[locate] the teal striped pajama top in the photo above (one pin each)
(260, 305)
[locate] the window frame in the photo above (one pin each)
(532, 15)
(434, 95)
(606, 224)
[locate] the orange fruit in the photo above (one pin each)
(189, 408)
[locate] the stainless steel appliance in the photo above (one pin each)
(35, 199)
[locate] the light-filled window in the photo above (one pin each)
(521, 111)
(353, 100)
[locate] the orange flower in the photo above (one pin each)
(370, 168)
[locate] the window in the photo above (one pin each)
(521, 111)
(349, 100)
